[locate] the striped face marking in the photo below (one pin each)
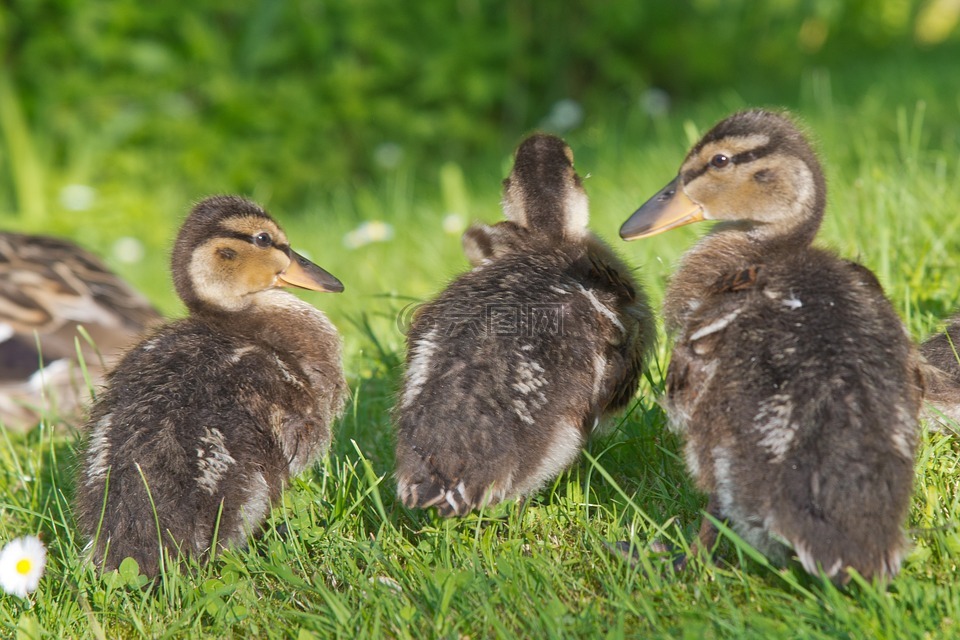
(246, 256)
(725, 153)
(749, 177)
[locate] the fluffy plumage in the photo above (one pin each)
(942, 374)
(48, 288)
(516, 362)
(204, 421)
(792, 378)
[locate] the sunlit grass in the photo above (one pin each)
(342, 558)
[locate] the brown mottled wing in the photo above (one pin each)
(46, 281)
(746, 278)
(612, 279)
(49, 287)
(688, 371)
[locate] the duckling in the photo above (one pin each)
(202, 423)
(516, 362)
(792, 377)
(48, 288)
(942, 374)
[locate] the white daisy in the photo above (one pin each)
(21, 565)
(370, 231)
(454, 223)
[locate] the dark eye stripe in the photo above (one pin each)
(752, 154)
(236, 235)
(693, 174)
(741, 158)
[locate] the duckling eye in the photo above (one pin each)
(719, 161)
(263, 240)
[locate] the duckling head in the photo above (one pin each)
(229, 250)
(543, 201)
(754, 170)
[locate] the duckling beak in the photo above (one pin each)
(303, 273)
(668, 209)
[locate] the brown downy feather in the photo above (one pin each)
(48, 289)
(792, 379)
(203, 422)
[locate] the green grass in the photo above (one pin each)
(354, 563)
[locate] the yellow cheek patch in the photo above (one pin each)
(261, 272)
(223, 281)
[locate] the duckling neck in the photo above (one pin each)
(281, 321)
(774, 238)
(731, 247)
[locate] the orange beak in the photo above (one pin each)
(668, 209)
(306, 275)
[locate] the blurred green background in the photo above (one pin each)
(116, 115)
(376, 131)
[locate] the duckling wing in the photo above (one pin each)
(48, 288)
(47, 283)
(625, 322)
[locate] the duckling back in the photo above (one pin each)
(202, 423)
(515, 363)
(195, 435)
(798, 390)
